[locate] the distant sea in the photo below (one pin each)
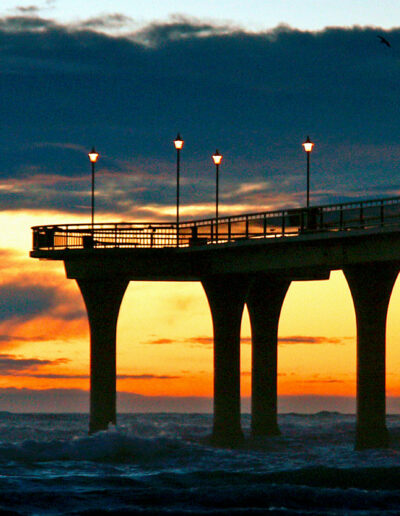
(160, 463)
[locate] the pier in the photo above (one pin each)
(249, 259)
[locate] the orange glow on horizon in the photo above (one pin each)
(165, 332)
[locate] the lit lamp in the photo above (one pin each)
(93, 155)
(178, 142)
(308, 147)
(217, 158)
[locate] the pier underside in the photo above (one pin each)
(256, 273)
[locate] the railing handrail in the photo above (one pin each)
(296, 210)
(285, 222)
(113, 224)
(222, 220)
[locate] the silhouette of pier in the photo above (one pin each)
(251, 259)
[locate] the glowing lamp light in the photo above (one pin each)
(178, 142)
(217, 158)
(308, 145)
(93, 155)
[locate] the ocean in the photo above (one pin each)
(161, 464)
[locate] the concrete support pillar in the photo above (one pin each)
(226, 297)
(264, 302)
(371, 287)
(103, 300)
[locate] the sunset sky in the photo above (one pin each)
(251, 82)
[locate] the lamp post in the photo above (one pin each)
(217, 158)
(93, 155)
(178, 142)
(308, 147)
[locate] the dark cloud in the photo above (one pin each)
(20, 303)
(25, 302)
(195, 341)
(179, 28)
(255, 96)
(12, 365)
(29, 9)
(26, 23)
(147, 377)
(55, 376)
(107, 21)
(322, 380)
(301, 339)
(17, 338)
(208, 341)
(248, 373)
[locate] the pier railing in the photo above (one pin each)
(270, 224)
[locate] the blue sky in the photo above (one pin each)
(254, 15)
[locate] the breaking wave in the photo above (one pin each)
(162, 463)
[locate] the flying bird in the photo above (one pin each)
(384, 41)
